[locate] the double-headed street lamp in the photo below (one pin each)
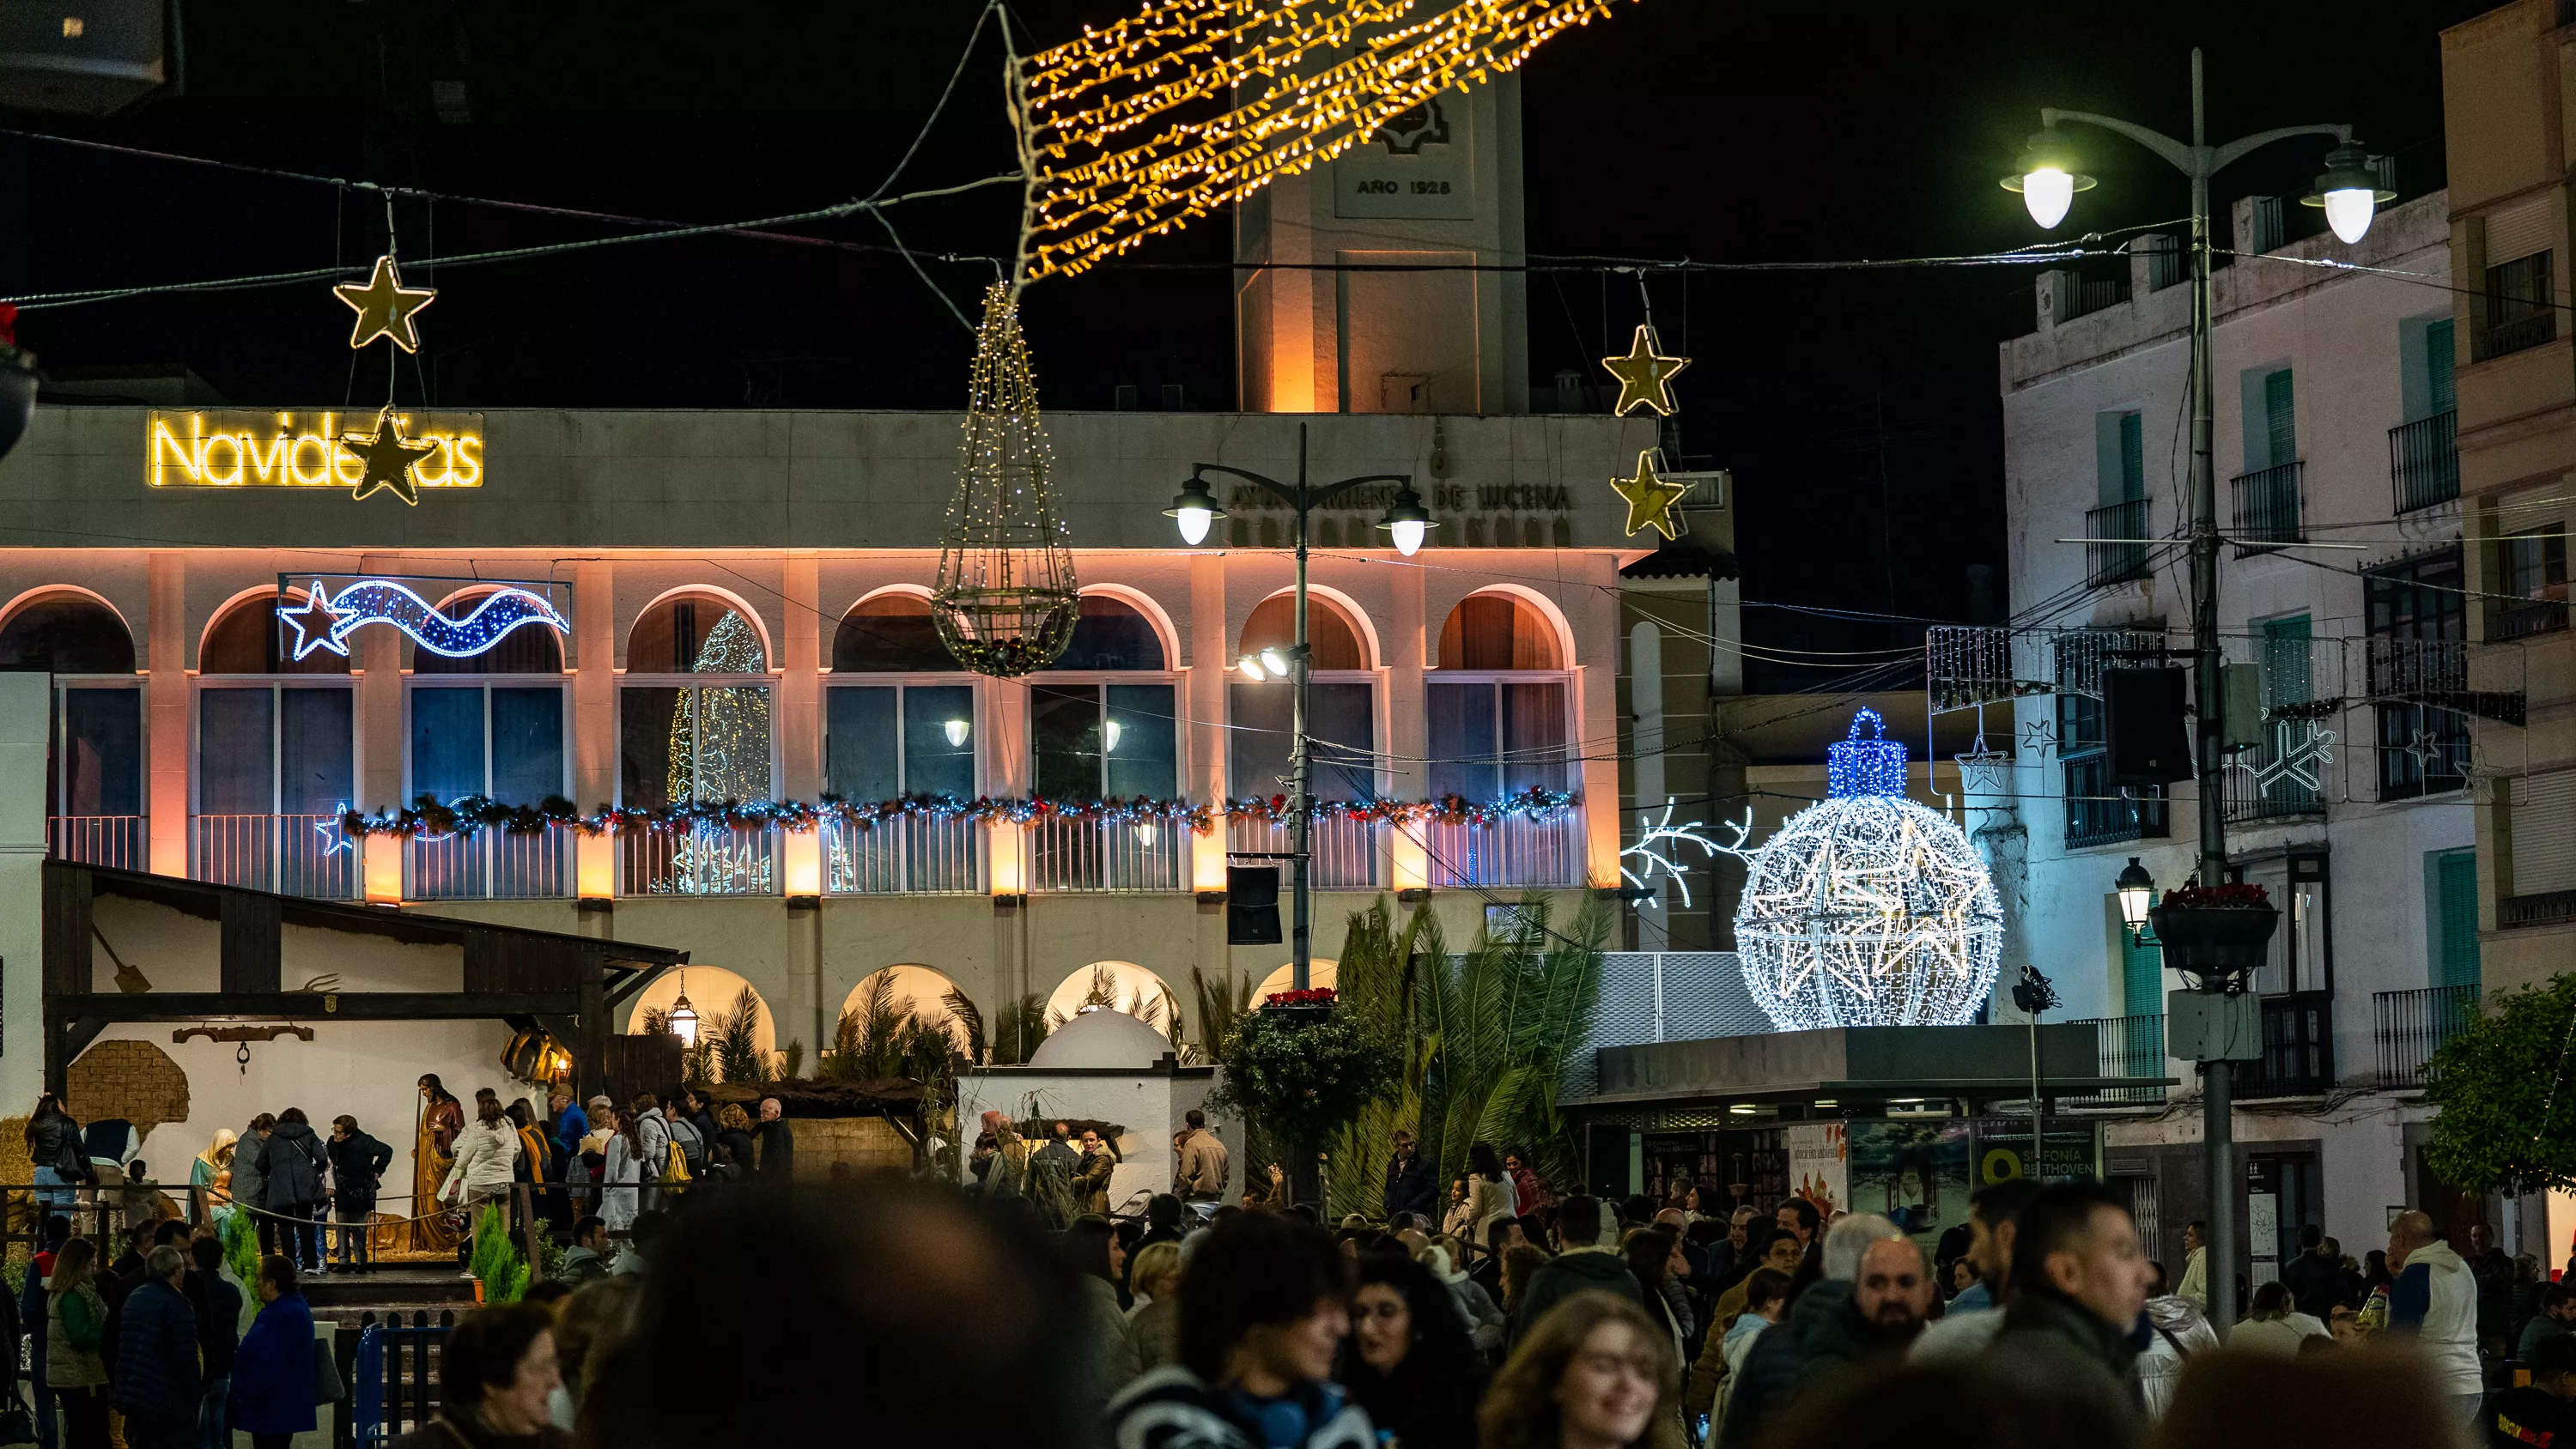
(2048, 175)
(1405, 521)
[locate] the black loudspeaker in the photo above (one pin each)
(1605, 1162)
(85, 57)
(1252, 905)
(2142, 723)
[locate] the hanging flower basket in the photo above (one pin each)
(2215, 930)
(1294, 1008)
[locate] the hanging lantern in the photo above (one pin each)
(1005, 599)
(683, 1021)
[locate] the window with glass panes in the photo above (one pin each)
(1106, 738)
(694, 710)
(1498, 710)
(1341, 708)
(2418, 627)
(96, 731)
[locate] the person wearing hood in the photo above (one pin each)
(212, 1173)
(2434, 1300)
(294, 1160)
(1870, 1301)
(2079, 1283)
(1970, 1324)
(1585, 1263)
(2176, 1329)
(1476, 1307)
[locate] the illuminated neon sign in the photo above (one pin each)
(322, 621)
(238, 449)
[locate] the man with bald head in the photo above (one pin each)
(2434, 1300)
(1871, 1302)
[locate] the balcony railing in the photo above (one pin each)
(2522, 618)
(2298, 1048)
(2513, 336)
(2547, 908)
(120, 841)
(909, 855)
(2127, 1046)
(2409, 1025)
(2424, 461)
(705, 860)
(2291, 757)
(489, 865)
(1347, 855)
(2114, 563)
(1099, 855)
(2097, 814)
(295, 855)
(2267, 508)
(2079, 295)
(1518, 851)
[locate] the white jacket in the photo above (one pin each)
(485, 1156)
(2449, 1334)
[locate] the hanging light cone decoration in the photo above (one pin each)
(1005, 598)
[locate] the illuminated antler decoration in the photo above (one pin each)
(1163, 117)
(1664, 833)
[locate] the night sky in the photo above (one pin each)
(1858, 410)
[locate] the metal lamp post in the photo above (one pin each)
(1405, 520)
(2048, 180)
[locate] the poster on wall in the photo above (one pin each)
(1817, 1169)
(1917, 1173)
(2071, 1148)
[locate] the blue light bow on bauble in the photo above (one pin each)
(325, 622)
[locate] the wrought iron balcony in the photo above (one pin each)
(1518, 851)
(294, 855)
(2097, 813)
(2513, 336)
(2267, 508)
(120, 841)
(2115, 563)
(490, 865)
(1348, 855)
(2298, 1048)
(2127, 1046)
(701, 860)
(2424, 461)
(1100, 855)
(909, 855)
(2409, 1025)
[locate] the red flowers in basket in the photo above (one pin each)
(2231, 896)
(1318, 996)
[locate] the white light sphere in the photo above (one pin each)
(2348, 212)
(1867, 909)
(2047, 193)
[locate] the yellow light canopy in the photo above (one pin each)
(384, 307)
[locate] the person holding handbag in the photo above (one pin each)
(272, 1398)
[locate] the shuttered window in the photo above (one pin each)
(2440, 396)
(2543, 827)
(2455, 918)
(2142, 976)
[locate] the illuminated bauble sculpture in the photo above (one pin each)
(1005, 599)
(1867, 909)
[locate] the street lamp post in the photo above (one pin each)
(1405, 521)
(2048, 180)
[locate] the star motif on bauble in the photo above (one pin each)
(1651, 496)
(1645, 376)
(384, 307)
(314, 622)
(388, 456)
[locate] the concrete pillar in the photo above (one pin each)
(594, 719)
(377, 659)
(1406, 636)
(26, 708)
(1204, 692)
(165, 632)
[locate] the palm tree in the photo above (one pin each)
(1495, 1027)
(1376, 977)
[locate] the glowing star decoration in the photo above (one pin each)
(1658, 842)
(1645, 376)
(2294, 756)
(1145, 125)
(384, 307)
(1867, 909)
(388, 457)
(324, 622)
(1651, 496)
(334, 838)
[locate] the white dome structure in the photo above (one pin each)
(1867, 909)
(1102, 1038)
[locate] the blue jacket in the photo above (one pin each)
(156, 1355)
(273, 1370)
(572, 1126)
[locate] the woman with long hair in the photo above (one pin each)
(54, 1148)
(621, 1174)
(1649, 1254)
(1408, 1360)
(487, 1151)
(75, 1327)
(433, 1153)
(1092, 1247)
(1594, 1373)
(1489, 1193)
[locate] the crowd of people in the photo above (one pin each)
(1251, 1323)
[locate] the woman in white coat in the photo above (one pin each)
(486, 1152)
(1489, 1192)
(621, 1177)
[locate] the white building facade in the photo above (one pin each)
(2352, 807)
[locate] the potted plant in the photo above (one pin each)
(2215, 931)
(1313, 1004)
(1302, 1069)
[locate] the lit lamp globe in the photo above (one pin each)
(2350, 193)
(2047, 179)
(1867, 909)
(1192, 510)
(1406, 520)
(683, 1021)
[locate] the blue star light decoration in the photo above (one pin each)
(1657, 840)
(334, 838)
(1867, 909)
(323, 622)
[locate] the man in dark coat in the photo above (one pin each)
(294, 1159)
(1585, 1263)
(2314, 1279)
(777, 1143)
(358, 1164)
(1871, 1301)
(2079, 1283)
(156, 1381)
(218, 1305)
(1409, 1184)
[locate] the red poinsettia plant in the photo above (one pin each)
(1317, 996)
(2232, 896)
